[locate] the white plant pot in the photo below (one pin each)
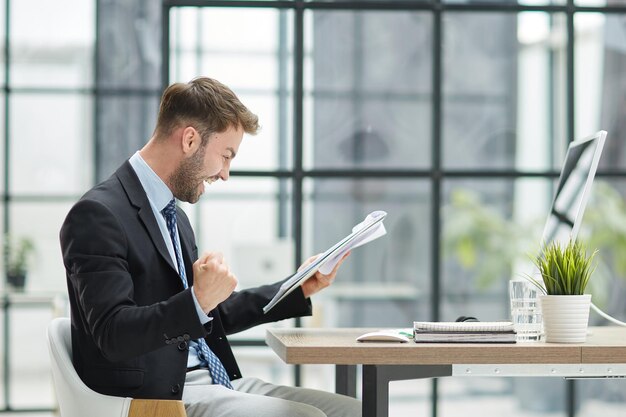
(565, 317)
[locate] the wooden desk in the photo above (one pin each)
(602, 356)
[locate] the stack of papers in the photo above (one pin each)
(369, 229)
(464, 332)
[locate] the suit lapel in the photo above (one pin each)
(137, 197)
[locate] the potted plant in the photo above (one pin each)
(565, 272)
(18, 252)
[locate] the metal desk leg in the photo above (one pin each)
(345, 380)
(376, 380)
(375, 392)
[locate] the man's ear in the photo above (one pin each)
(190, 140)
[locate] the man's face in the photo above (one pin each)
(208, 163)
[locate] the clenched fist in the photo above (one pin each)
(212, 280)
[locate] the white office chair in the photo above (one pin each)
(77, 400)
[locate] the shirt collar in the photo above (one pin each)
(157, 191)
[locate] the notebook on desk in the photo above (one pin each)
(464, 326)
(463, 332)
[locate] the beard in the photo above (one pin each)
(185, 179)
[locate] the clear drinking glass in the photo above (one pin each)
(525, 310)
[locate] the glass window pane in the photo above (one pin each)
(272, 147)
(600, 57)
(604, 397)
(248, 220)
(41, 222)
(318, 376)
(601, 229)
(44, 298)
(226, 67)
(125, 123)
(263, 363)
(129, 45)
(59, 53)
(386, 282)
(369, 90)
(490, 229)
(30, 362)
(256, 212)
(51, 143)
(216, 27)
(210, 42)
(504, 96)
(184, 66)
(31, 311)
(513, 397)
(411, 397)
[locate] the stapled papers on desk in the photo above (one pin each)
(464, 332)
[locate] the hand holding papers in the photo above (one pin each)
(369, 229)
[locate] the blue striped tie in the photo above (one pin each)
(206, 356)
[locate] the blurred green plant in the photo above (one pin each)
(605, 226)
(483, 242)
(18, 252)
(480, 239)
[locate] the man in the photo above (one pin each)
(150, 317)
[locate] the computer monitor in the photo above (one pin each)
(573, 189)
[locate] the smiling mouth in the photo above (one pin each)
(210, 180)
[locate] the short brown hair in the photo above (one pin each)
(205, 104)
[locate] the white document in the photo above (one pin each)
(369, 229)
(462, 326)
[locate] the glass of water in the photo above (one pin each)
(525, 310)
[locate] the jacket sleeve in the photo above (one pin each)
(95, 253)
(244, 309)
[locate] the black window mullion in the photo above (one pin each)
(436, 180)
(6, 374)
(165, 45)
(570, 98)
(282, 122)
(298, 98)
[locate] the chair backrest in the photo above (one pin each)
(75, 398)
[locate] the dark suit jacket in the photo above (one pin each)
(131, 317)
